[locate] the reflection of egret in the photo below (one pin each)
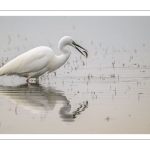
(37, 61)
(38, 99)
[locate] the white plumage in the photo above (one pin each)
(39, 60)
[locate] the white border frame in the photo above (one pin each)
(75, 136)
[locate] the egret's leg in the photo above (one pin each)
(27, 80)
(37, 80)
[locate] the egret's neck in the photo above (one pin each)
(61, 59)
(63, 48)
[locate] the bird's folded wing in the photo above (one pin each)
(35, 63)
(31, 61)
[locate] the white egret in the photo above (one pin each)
(39, 60)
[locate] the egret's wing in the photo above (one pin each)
(35, 62)
(31, 61)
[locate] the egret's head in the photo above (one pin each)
(67, 40)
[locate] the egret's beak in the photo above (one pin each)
(83, 51)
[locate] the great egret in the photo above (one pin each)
(39, 60)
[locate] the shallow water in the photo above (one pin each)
(107, 93)
(76, 105)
